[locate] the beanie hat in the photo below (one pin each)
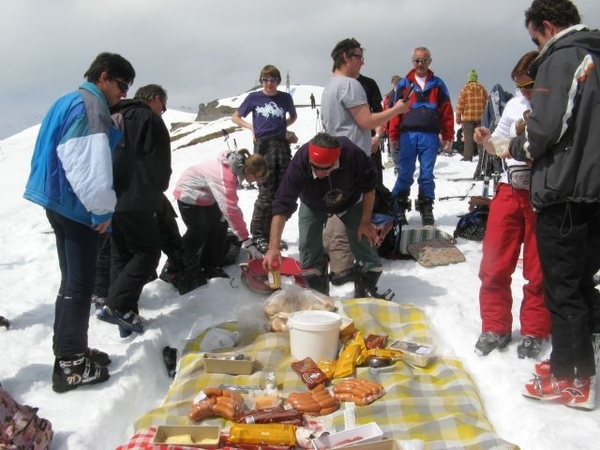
(322, 155)
(472, 76)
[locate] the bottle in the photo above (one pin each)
(274, 276)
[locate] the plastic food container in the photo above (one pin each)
(314, 334)
(413, 352)
(347, 438)
(228, 363)
(200, 436)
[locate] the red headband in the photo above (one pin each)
(322, 155)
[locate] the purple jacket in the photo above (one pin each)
(333, 194)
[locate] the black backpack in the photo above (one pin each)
(472, 225)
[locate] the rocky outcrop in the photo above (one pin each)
(207, 112)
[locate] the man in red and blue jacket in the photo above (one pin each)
(417, 133)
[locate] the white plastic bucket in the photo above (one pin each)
(314, 333)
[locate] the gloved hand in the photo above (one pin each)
(250, 247)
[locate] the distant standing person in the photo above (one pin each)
(469, 110)
(417, 132)
(142, 170)
(72, 178)
(313, 104)
(388, 100)
(272, 112)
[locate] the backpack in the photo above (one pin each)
(20, 426)
(385, 209)
(472, 225)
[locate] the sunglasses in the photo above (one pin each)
(359, 56)
(269, 80)
(321, 168)
(420, 61)
(122, 85)
(164, 105)
(526, 86)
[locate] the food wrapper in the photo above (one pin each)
(262, 434)
(385, 353)
(309, 372)
(327, 366)
(375, 341)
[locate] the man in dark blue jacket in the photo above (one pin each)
(330, 176)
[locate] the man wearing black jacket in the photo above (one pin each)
(142, 170)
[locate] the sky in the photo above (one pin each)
(201, 51)
(100, 417)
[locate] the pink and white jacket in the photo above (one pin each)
(214, 181)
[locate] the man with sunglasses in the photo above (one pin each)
(417, 132)
(142, 170)
(561, 140)
(72, 178)
(331, 176)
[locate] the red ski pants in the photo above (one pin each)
(511, 222)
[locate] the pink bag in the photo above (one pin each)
(20, 426)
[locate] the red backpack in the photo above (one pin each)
(20, 426)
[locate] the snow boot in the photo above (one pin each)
(365, 285)
(319, 283)
(425, 207)
(404, 205)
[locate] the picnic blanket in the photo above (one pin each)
(438, 405)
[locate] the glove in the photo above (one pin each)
(250, 247)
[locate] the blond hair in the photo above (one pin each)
(253, 164)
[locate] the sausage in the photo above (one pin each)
(308, 406)
(325, 411)
(353, 389)
(346, 397)
(224, 411)
(213, 391)
(200, 411)
(328, 402)
(227, 401)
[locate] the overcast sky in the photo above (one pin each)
(204, 50)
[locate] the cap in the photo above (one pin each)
(323, 155)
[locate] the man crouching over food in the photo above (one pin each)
(330, 175)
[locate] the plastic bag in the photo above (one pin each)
(292, 298)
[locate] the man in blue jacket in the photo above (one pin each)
(72, 178)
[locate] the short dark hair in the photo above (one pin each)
(523, 64)
(149, 92)
(345, 47)
(562, 13)
(113, 64)
(325, 140)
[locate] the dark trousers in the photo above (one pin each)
(77, 249)
(277, 155)
(135, 253)
(103, 267)
(568, 237)
(206, 232)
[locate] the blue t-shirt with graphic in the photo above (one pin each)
(268, 113)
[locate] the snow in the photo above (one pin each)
(101, 417)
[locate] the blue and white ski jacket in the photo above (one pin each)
(72, 162)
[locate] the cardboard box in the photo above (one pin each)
(226, 363)
(350, 438)
(202, 436)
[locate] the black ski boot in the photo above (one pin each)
(365, 285)
(425, 207)
(403, 203)
(319, 283)
(70, 373)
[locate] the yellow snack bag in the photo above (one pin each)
(327, 366)
(262, 434)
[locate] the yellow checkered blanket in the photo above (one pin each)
(438, 404)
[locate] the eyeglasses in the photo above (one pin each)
(321, 168)
(164, 105)
(420, 61)
(526, 86)
(122, 85)
(359, 56)
(269, 80)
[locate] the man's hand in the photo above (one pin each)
(481, 135)
(369, 231)
(102, 227)
(273, 254)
